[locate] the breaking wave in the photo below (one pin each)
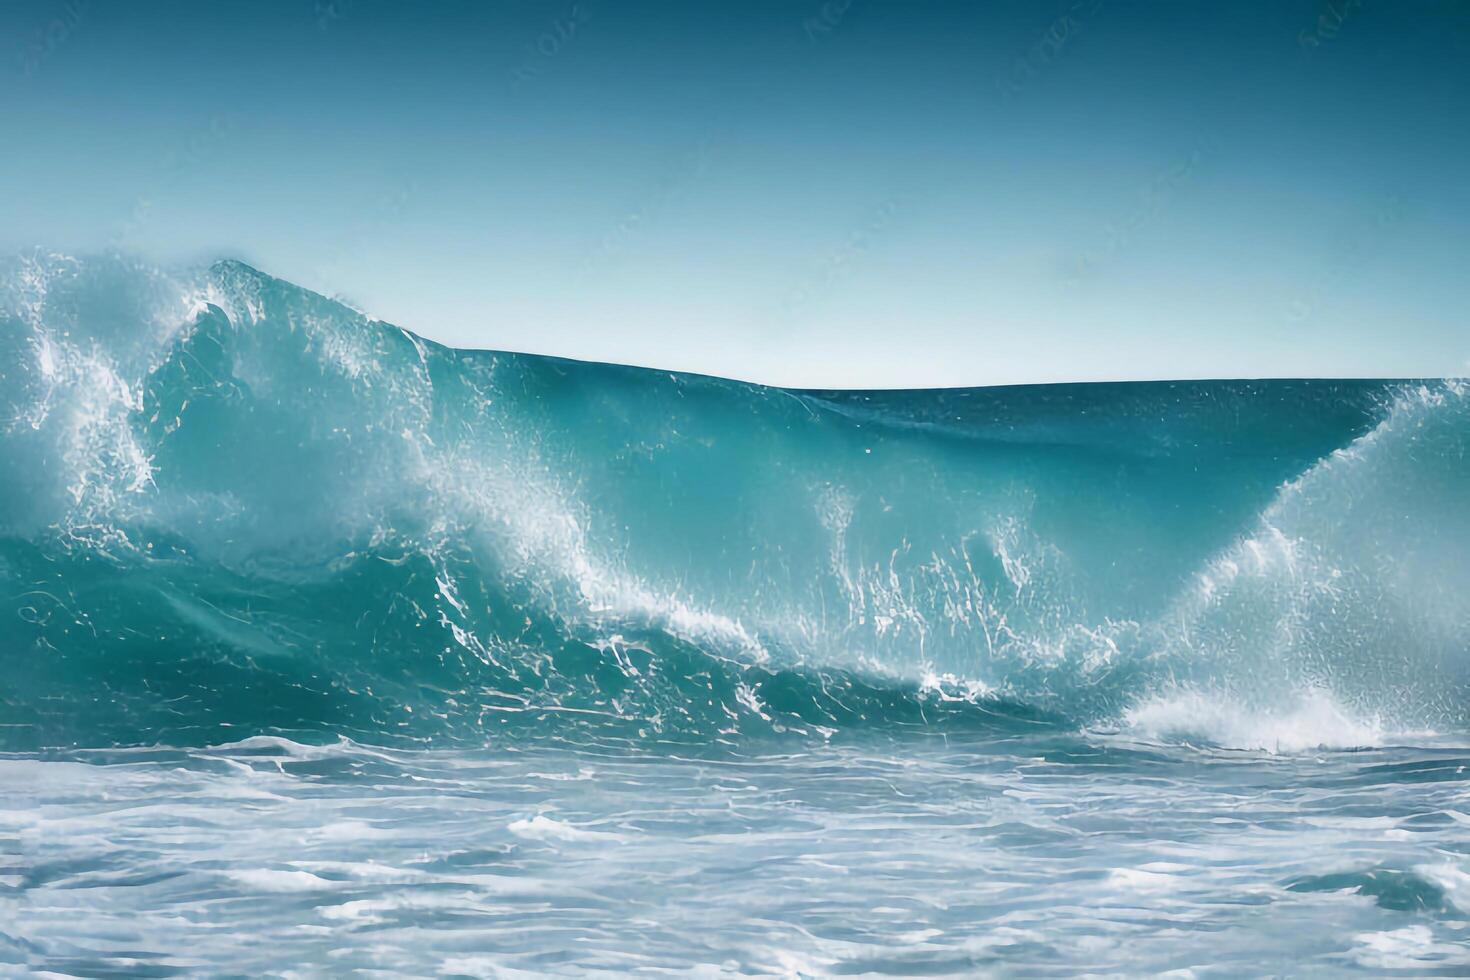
(231, 507)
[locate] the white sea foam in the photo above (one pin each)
(1410, 948)
(542, 827)
(276, 880)
(1313, 720)
(1453, 879)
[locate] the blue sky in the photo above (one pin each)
(838, 193)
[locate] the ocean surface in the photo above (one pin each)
(327, 650)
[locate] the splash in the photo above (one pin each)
(1312, 720)
(232, 508)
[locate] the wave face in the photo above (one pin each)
(230, 506)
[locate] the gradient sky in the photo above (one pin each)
(838, 193)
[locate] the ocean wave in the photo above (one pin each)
(232, 507)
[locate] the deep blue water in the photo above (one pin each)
(329, 649)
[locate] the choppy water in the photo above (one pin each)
(1034, 855)
(326, 649)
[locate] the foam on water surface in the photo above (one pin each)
(327, 644)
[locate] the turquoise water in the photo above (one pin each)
(1045, 854)
(330, 649)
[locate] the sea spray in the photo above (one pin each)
(234, 507)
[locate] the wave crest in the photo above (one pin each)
(236, 507)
